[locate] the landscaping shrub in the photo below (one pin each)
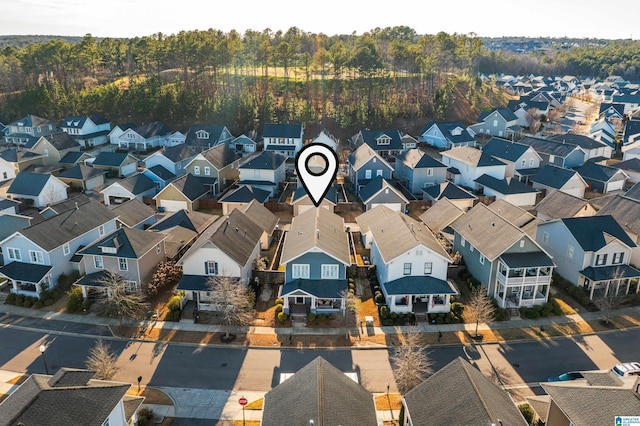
(279, 301)
(74, 303)
(384, 311)
(38, 304)
(19, 299)
(387, 321)
(279, 308)
(457, 308)
(379, 298)
(11, 299)
(311, 317)
(174, 303)
(439, 320)
(527, 412)
(27, 302)
(48, 302)
(172, 316)
(282, 317)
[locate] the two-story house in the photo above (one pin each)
(264, 170)
(130, 253)
(203, 137)
(174, 158)
(54, 147)
(366, 164)
(316, 257)
(386, 143)
(219, 165)
(626, 210)
(19, 159)
(417, 170)
(88, 130)
(551, 178)
(592, 253)
(556, 153)
(501, 122)
(152, 135)
(446, 135)
(593, 149)
(227, 248)
(25, 129)
(411, 266)
(522, 161)
(466, 164)
(283, 139)
(36, 256)
(512, 266)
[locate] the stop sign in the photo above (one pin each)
(243, 401)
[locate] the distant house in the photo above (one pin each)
(301, 202)
(73, 158)
(134, 214)
(218, 165)
(603, 179)
(591, 252)
(386, 143)
(460, 197)
(174, 159)
(460, 387)
(446, 135)
(142, 138)
(78, 398)
(129, 253)
(161, 176)
(566, 180)
(593, 149)
(135, 186)
(501, 122)
(604, 131)
(631, 167)
(42, 189)
(20, 159)
(556, 153)
(381, 192)
(53, 147)
(466, 164)
(509, 189)
(365, 164)
(522, 161)
(243, 145)
(264, 170)
(528, 111)
(83, 177)
(557, 205)
(25, 129)
(510, 264)
(202, 137)
(114, 135)
(116, 163)
(242, 196)
(182, 194)
(418, 170)
(88, 130)
(316, 256)
(326, 138)
(411, 266)
(283, 139)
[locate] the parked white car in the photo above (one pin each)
(626, 369)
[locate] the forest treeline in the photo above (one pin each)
(244, 80)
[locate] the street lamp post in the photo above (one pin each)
(44, 359)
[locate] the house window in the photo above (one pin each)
(601, 259)
(97, 262)
(122, 264)
(132, 286)
(531, 162)
(158, 249)
(207, 171)
(429, 171)
(14, 254)
(618, 258)
(407, 269)
(495, 123)
(523, 163)
(428, 267)
(552, 158)
(481, 259)
(471, 248)
(329, 272)
(36, 256)
(545, 237)
(101, 230)
(463, 242)
(65, 249)
(196, 170)
(522, 244)
(378, 172)
(300, 271)
(570, 251)
(4, 175)
(210, 268)
(367, 174)
(385, 140)
(256, 174)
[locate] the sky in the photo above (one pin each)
(496, 18)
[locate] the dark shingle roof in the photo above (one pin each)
(81, 172)
(376, 185)
(162, 173)
(152, 129)
(179, 153)
(62, 141)
(448, 190)
(322, 393)
(132, 212)
(245, 194)
(331, 196)
(527, 260)
(76, 122)
(505, 186)
(324, 289)
(190, 186)
(506, 113)
(417, 159)
(137, 184)
(504, 149)
(597, 172)
(30, 121)
(612, 272)
(553, 176)
(266, 160)
(26, 183)
(633, 165)
(72, 157)
(633, 192)
(591, 232)
(580, 140)
(220, 156)
(604, 106)
(215, 135)
(631, 128)
(625, 210)
(16, 155)
(419, 284)
(549, 147)
(557, 204)
(460, 391)
(194, 221)
(110, 159)
(27, 272)
(194, 283)
(370, 137)
(282, 130)
(129, 242)
(447, 128)
(363, 154)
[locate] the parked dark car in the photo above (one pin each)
(564, 377)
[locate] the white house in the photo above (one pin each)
(283, 139)
(89, 131)
(469, 164)
(42, 189)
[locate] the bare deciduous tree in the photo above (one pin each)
(232, 300)
(613, 299)
(480, 307)
(350, 307)
(410, 362)
(118, 299)
(102, 361)
(533, 120)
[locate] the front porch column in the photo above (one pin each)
(606, 289)
(85, 293)
(14, 284)
(430, 304)
(504, 296)
(593, 287)
(628, 285)
(547, 292)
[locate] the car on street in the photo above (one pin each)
(626, 369)
(564, 377)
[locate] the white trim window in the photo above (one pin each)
(65, 249)
(481, 259)
(132, 286)
(367, 174)
(428, 268)
(463, 241)
(406, 270)
(14, 254)
(329, 272)
(618, 258)
(97, 262)
(196, 170)
(101, 230)
(300, 270)
(570, 251)
(36, 257)
(210, 267)
(123, 264)
(207, 171)
(545, 237)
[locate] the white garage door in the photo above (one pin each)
(172, 205)
(615, 186)
(396, 207)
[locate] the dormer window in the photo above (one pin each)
(384, 140)
(457, 131)
(202, 134)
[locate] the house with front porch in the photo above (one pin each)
(218, 165)
(130, 253)
(227, 248)
(147, 136)
(592, 253)
(386, 143)
(283, 139)
(366, 164)
(315, 256)
(36, 256)
(511, 265)
(28, 127)
(264, 170)
(411, 266)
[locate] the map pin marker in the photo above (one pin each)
(317, 166)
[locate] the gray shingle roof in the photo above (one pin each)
(26, 183)
(215, 136)
(322, 393)
(440, 215)
(265, 160)
(190, 186)
(261, 216)
(245, 194)
(194, 221)
(129, 243)
(162, 173)
(300, 192)
(110, 159)
(419, 284)
(548, 146)
(447, 127)
(179, 153)
(81, 172)
(632, 165)
(27, 272)
(137, 184)
(506, 113)
(506, 186)
(150, 130)
(132, 212)
(625, 210)
(580, 140)
(323, 289)
(30, 121)
(17, 155)
(448, 190)
(592, 233)
(417, 159)
(505, 149)
(362, 155)
(220, 156)
(553, 176)
(374, 217)
(460, 393)
(376, 185)
(557, 204)
(597, 172)
(62, 141)
(282, 130)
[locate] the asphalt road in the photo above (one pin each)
(228, 368)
